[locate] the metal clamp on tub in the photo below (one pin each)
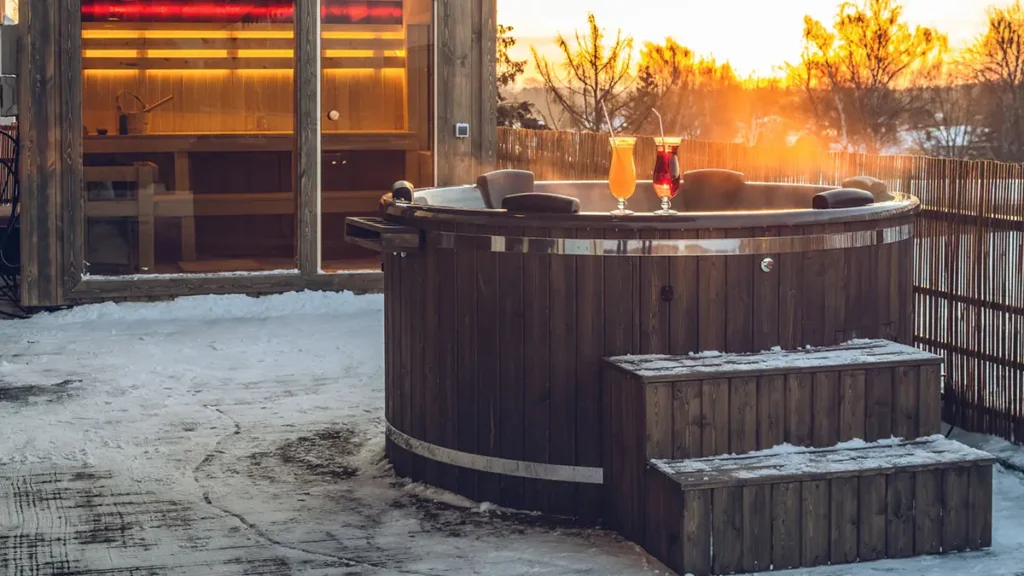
(382, 236)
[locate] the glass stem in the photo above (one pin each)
(666, 204)
(622, 205)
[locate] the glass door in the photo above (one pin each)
(377, 105)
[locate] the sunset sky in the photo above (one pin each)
(754, 35)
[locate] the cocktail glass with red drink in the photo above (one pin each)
(667, 175)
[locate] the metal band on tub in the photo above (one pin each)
(536, 470)
(672, 247)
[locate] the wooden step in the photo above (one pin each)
(810, 507)
(716, 404)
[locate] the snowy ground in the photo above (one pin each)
(228, 435)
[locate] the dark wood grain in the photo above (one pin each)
(799, 403)
(447, 343)
(562, 294)
(872, 517)
(488, 371)
(429, 379)
(711, 274)
(697, 528)
(659, 421)
(851, 405)
(590, 348)
(771, 406)
(727, 529)
(791, 312)
(739, 304)
(815, 522)
(899, 518)
(979, 504)
(787, 515)
(767, 299)
(878, 393)
(757, 528)
(837, 314)
(844, 504)
(654, 311)
(743, 410)
(928, 512)
(812, 293)
(906, 407)
(538, 387)
(467, 348)
(687, 420)
(825, 404)
(684, 311)
(511, 360)
(955, 509)
(715, 423)
(929, 401)
(70, 200)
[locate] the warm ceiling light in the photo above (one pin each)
(241, 11)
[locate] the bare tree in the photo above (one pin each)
(595, 72)
(951, 126)
(859, 77)
(996, 63)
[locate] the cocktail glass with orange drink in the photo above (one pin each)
(622, 174)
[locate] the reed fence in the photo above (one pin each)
(969, 270)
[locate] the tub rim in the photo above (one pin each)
(901, 205)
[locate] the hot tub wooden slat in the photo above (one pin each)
(813, 289)
(739, 293)
(465, 287)
(653, 310)
(537, 402)
(766, 300)
(447, 339)
(430, 389)
(684, 311)
(488, 371)
(711, 272)
(417, 380)
(835, 287)
(791, 315)
(563, 372)
(511, 383)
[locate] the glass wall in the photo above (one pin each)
(188, 129)
(377, 110)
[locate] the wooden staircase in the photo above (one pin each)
(719, 464)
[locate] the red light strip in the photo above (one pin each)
(273, 11)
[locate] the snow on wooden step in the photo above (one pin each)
(790, 463)
(856, 354)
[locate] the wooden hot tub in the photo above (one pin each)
(496, 322)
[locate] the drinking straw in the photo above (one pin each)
(609, 121)
(660, 127)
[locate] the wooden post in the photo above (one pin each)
(307, 133)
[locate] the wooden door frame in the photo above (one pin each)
(51, 167)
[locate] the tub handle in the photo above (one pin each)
(382, 236)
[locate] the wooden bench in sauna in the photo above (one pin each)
(676, 408)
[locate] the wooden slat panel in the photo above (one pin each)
(767, 297)
(236, 63)
(684, 312)
(979, 505)
(590, 347)
(687, 420)
(851, 405)
(771, 406)
(727, 529)
(825, 409)
(844, 509)
(537, 386)
(739, 306)
(715, 423)
(816, 527)
(562, 418)
(899, 520)
(697, 527)
(872, 519)
(812, 293)
(488, 371)
(468, 342)
(955, 509)
(712, 296)
(448, 361)
(791, 271)
(430, 379)
(416, 264)
(929, 401)
(799, 431)
(905, 402)
(836, 284)
(511, 359)
(787, 514)
(659, 421)
(928, 512)
(743, 409)
(757, 528)
(654, 310)
(878, 404)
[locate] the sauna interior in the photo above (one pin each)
(189, 129)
